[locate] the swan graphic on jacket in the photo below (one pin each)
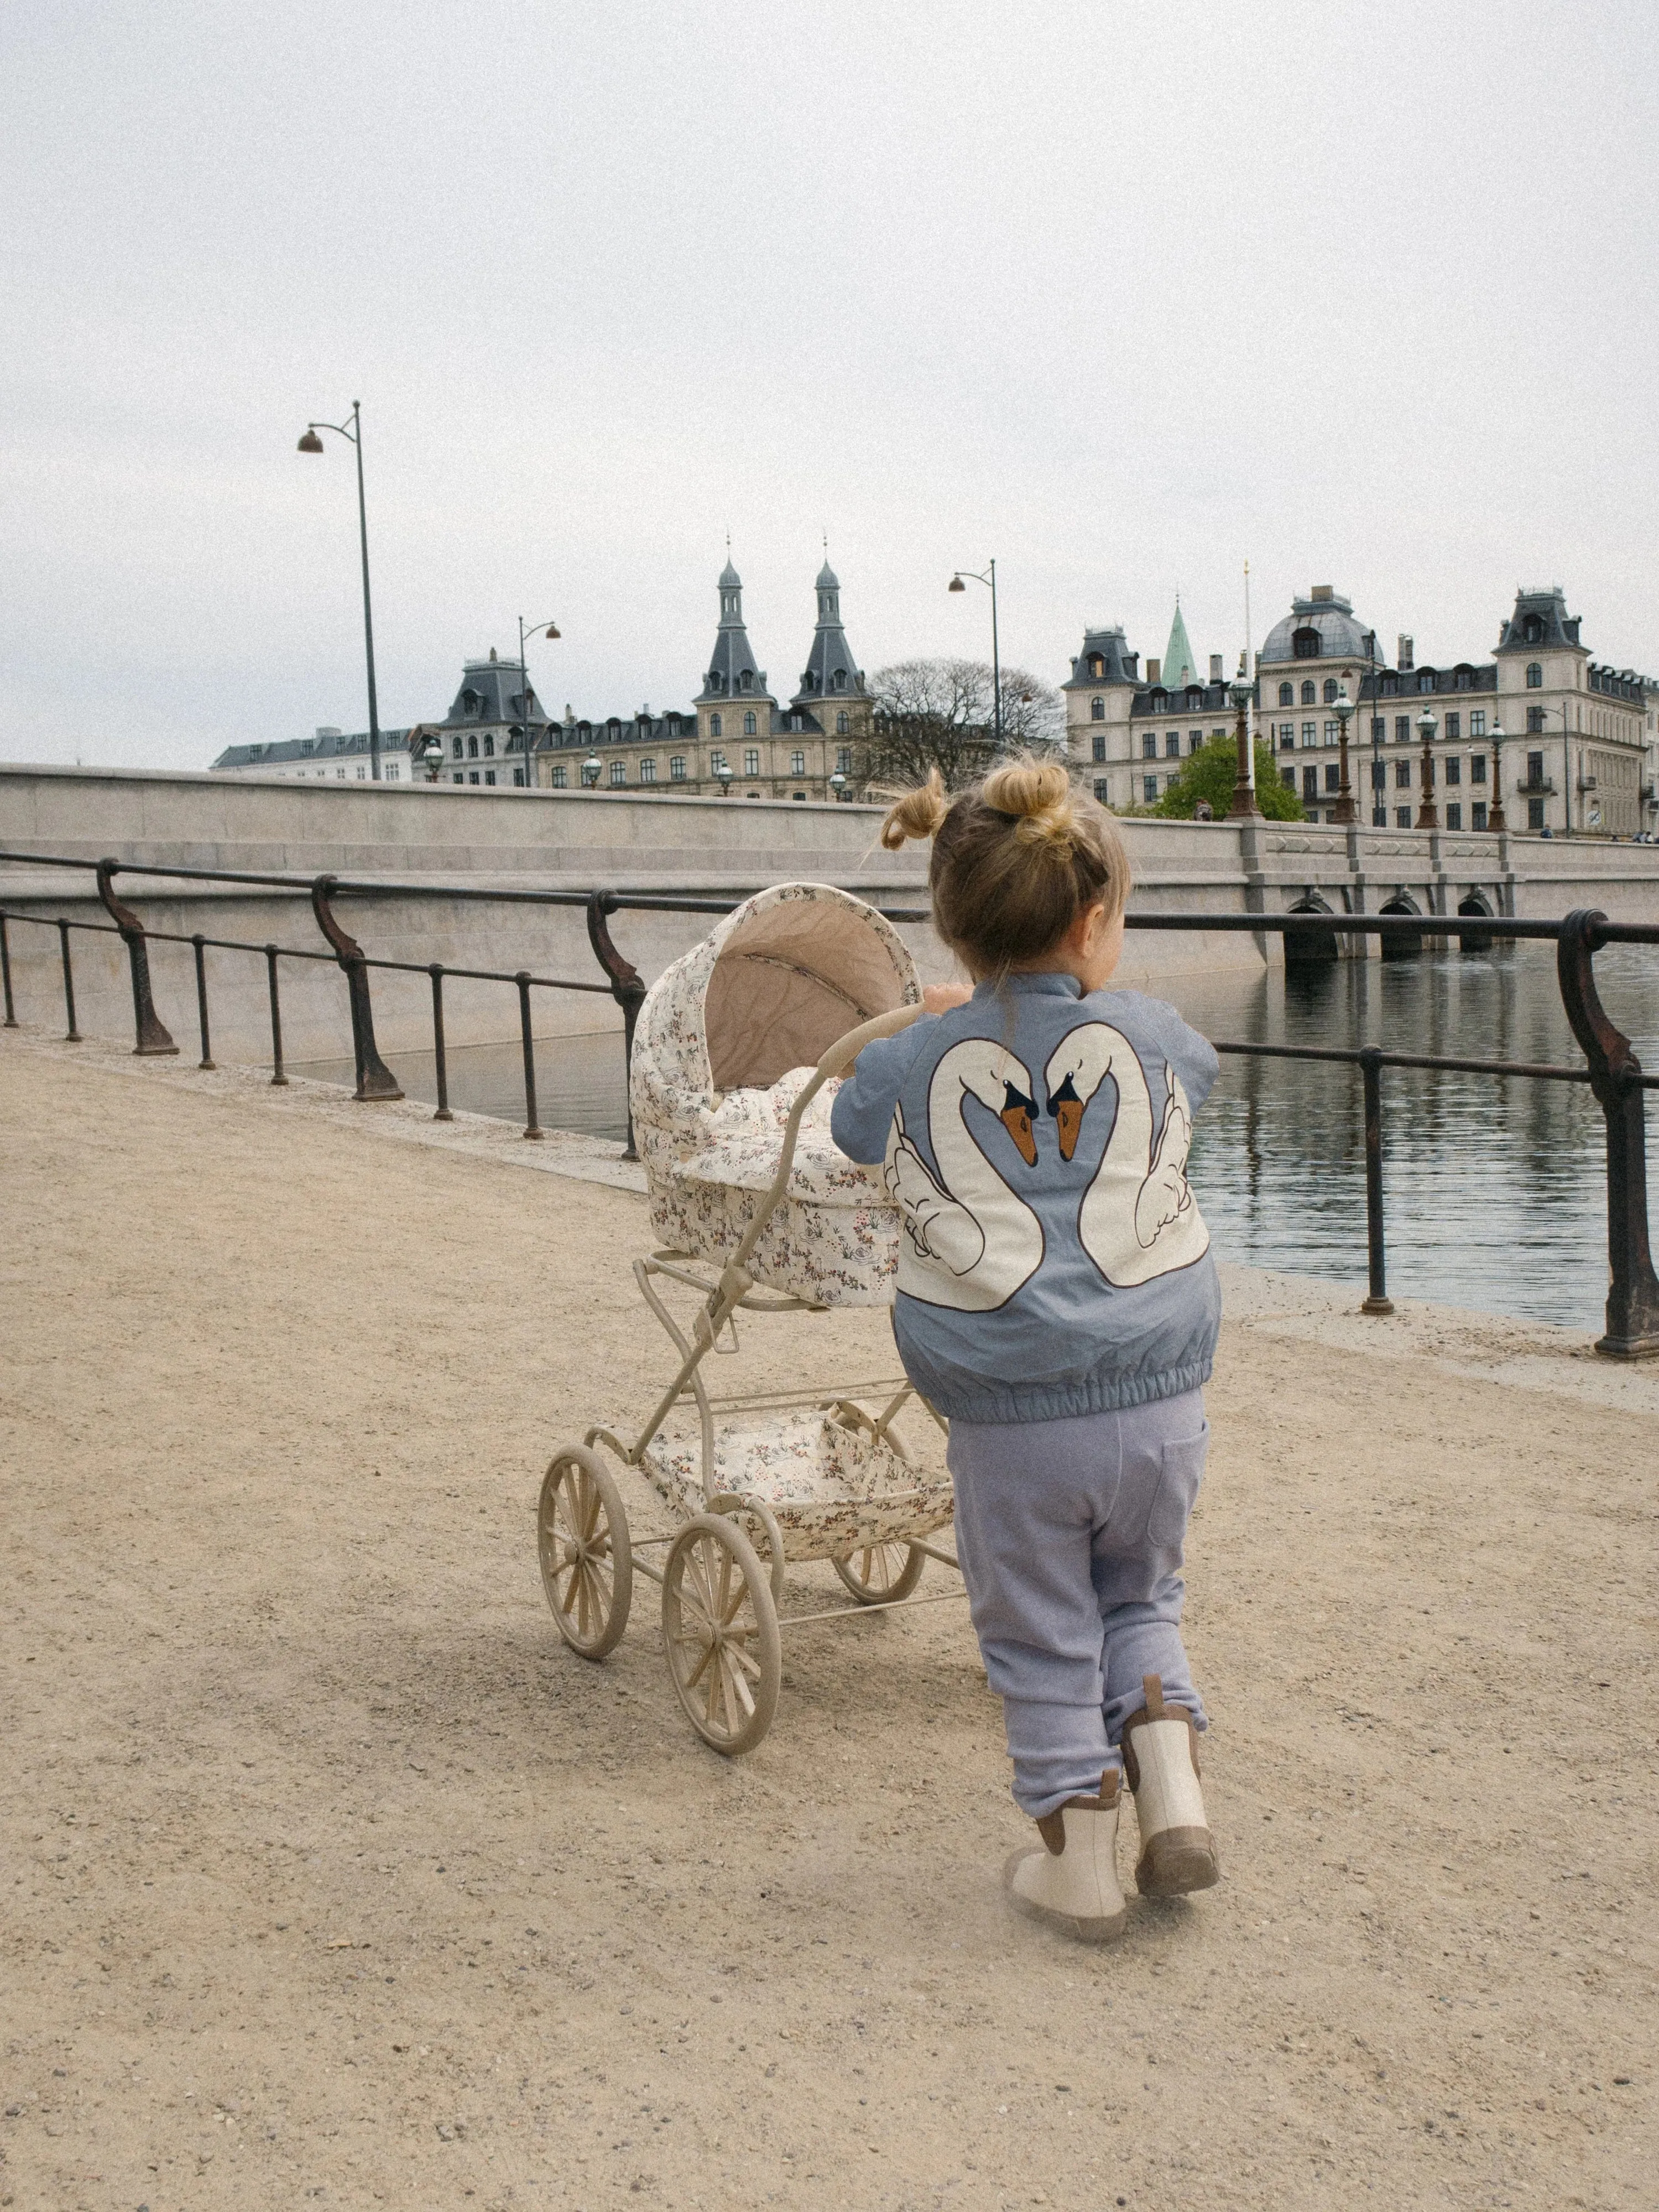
(1053, 1261)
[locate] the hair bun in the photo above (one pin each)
(1037, 793)
(918, 814)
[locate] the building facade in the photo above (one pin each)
(1578, 741)
(330, 757)
(483, 734)
(736, 737)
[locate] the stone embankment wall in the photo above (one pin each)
(412, 835)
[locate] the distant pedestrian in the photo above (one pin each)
(1058, 1302)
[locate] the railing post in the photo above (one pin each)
(374, 1079)
(532, 1127)
(626, 988)
(72, 1036)
(5, 975)
(1371, 1068)
(200, 943)
(153, 1038)
(1632, 1288)
(278, 1076)
(438, 1062)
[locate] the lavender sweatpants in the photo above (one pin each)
(1070, 1534)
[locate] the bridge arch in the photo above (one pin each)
(1310, 948)
(1401, 947)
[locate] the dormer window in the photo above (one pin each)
(1097, 664)
(840, 679)
(1532, 629)
(1304, 643)
(1426, 681)
(1534, 676)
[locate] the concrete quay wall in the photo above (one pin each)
(506, 840)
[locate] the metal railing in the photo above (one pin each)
(1611, 1069)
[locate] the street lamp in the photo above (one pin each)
(432, 757)
(1495, 820)
(1379, 773)
(524, 628)
(838, 783)
(1244, 808)
(1342, 706)
(1428, 814)
(989, 576)
(310, 443)
(723, 777)
(591, 771)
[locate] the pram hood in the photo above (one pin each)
(763, 996)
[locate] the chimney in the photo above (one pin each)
(1154, 669)
(1322, 593)
(1404, 657)
(1216, 676)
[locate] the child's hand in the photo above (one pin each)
(939, 997)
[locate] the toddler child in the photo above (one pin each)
(1057, 1302)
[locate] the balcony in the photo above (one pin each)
(1542, 788)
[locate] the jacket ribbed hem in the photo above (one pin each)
(962, 1397)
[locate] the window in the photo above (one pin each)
(838, 681)
(1097, 710)
(1402, 817)
(1534, 814)
(1535, 721)
(1149, 788)
(458, 749)
(489, 748)
(1100, 789)
(472, 752)
(1100, 744)
(618, 772)
(518, 777)
(1097, 664)
(1149, 744)
(1172, 746)
(1194, 739)
(1309, 782)
(1287, 777)
(472, 775)
(1287, 737)
(1426, 681)
(676, 768)
(1330, 689)
(1333, 776)
(456, 778)
(749, 729)
(1402, 729)
(1478, 722)
(1308, 693)
(797, 794)
(1310, 733)
(714, 726)
(1533, 629)
(1454, 728)
(842, 724)
(1287, 694)
(1330, 733)
(843, 760)
(746, 679)
(1478, 814)
(1379, 729)
(362, 772)
(1170, 782)
(490, 775)
(1534, 676)
(751, 755)
(1454, 814)
(716, 763)
(1402, 776)
(647, 770)
(1464, 679)
(1379, 775)
(798, 761)
(1478, 769)
(1304, 644)
(393, 774)
(558, 775)
(340, 774)
(1454, 770)
(1534, 767)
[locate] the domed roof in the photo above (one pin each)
(730, 580)
(828, 580)
(1331, 619)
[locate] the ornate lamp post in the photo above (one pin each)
(1343, 709)
(723, 777)
(523, 732)
(957, 584)
(432, 757)
(838, 783)
(590, 771)
(1244, 808)
(1428, 814)
(310, 443)
(1495, 820)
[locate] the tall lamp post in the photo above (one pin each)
(1343, 709)
(524, 628)
(1496, 820)
(310, 443)
(1428, 814)
(1244, 807)
(957, 583)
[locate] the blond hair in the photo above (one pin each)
(1015, 861)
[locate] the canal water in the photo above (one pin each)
(1494, 1187)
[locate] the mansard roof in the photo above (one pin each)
(732, 671)
(830, 671)
(493, 691)
(327, 745)
(1109, 649)
(1321, 627)
(1540, 620)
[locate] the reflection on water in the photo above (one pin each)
(1495, 1189)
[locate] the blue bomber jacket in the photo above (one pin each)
(1053, 1259)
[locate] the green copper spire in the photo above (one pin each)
(1180, 662)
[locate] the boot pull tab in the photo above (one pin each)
(1152, 1689)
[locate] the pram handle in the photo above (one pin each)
(845, 1050)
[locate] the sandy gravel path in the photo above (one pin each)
(331, 1878)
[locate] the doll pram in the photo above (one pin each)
(736, 1051)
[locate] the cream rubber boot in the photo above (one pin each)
(1070, 1878)
(1160, 1756)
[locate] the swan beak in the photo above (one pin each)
(1068, 1120)
(1017, 1121)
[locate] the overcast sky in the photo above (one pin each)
(1121, 295)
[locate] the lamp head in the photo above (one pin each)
(1342, 706)
(1428, 726)
(837, 781)
(310, 443)
(552, 630)
(1498, 733)
(956, 584)
(1239, 693)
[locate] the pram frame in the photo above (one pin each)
(746, 1712)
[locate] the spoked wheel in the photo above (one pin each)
(587, 1562)
(882, 1574)
(720, 1628)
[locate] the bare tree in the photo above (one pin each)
(941, 714)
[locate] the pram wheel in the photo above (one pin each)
(881, 1574)
(719, 1629)
(587, 1561)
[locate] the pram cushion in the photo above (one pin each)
(744, 1137)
